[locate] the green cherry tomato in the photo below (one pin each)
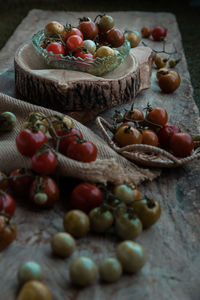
(147, 210)
(29, 271)
(76, 222)
(100, 221)
(63, 244)
(128, 227)
(83, 271)
(124, 193)
(7, 121)
(110, 269)
(131, 255)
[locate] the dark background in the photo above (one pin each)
(187, 13)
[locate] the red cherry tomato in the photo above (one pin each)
(89, 30)
(115, 37)
(158, 115)
(41, 186)
(3, 181)
(84, 151)
(83, 55)
(73, 31)
(181, 144)
(44, 163)
(20, 182)
(159, 33)
(69, 138)
(7, 203)
(28, 142)
(56, 48)
(165, 133)
(86, 196)
(73, 42)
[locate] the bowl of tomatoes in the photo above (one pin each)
(150, 139)
(93, 47)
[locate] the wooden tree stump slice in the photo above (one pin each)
(82, 94)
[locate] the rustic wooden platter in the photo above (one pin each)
(173, 245)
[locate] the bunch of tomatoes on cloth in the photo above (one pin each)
(114, 209)
(90, 39)
(153, 129)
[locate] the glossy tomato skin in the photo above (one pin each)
(168, 80)
(83, 55)
(8, 232)
(134, 115)
(44, 163)
(165, 133)
(47, 186)
(89, 30)
(28, 142)
(73, 42)
(84, 151)
(149, 137)
(181, 144)
(56, 48)
(159, 33)
(115, 37)
(126, 135)
(7, 204)
(73, 31)
(3, 181)
(20, 182)
(158, 115)
(85, 197)
(68, 139)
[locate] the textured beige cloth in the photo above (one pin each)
(109, 166)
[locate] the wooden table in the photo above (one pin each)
(173, 244)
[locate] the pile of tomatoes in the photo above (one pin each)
(90, 39)
(152, 129)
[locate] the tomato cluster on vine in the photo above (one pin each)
(152, 129)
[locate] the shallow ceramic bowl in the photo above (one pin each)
(98, 66)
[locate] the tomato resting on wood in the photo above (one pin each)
(85, 197)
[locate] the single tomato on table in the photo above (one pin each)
(168, 80)
(28, 142)
(159, 33)
(85, 197)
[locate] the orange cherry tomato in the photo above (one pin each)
(168, 80)
(134, 114)
(126, 135)
(136, 194)
(158, 115)
(149, 137)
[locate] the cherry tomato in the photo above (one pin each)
(76, 222)
(134, 115)
(181, 144)
(89, 30)
(128, 227)
(160, 62)
(84, 151)
(20, 182)
(68, 138)
(42, 186)
(146, 32)
(124, 193)
(86, 196)
(126, 135)
(28, 142)
(7, 203)
(168, 80)
(34, 289)
(56, 48)
(73, 42)
(159, 33)
(104, 51)
(158, 115)
(165, 133)
(106, 23)
(53, 29)
(115, 37)
(8, 232)
(147, 210)
(44, 163)
(100, 220)
(83, 271)
(72, 31)
(3, 181)
(134, 38)
(84, 55)
(149, 137)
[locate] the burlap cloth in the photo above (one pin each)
(109, 166)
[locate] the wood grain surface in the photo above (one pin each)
(172, 245)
